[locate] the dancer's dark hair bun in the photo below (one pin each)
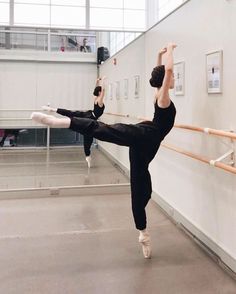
(97, 90)
(157, 78)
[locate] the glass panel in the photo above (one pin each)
(106, 18)
(120, 41)
(68, 2)
(2, 40)
(72, 43)
(63, 137)
(134, 19)
(67, 16)
(129, 37)
(4, 13)
(107, 3)
(29, 41)
(32, 14)
(22, 137)
(134, 4)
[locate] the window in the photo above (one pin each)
(166, 6)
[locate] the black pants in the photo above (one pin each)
(143, 141)
(88, 140)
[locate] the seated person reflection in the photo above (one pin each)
(10, 132)
(85, 47)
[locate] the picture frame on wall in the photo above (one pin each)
(126, 88)
(136, 86)
(110, 91)
(179, 75)
(117, 90)
(214, 69)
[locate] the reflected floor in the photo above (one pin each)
(21, 169)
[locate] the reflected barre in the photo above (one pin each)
(215, 163)
(128, 116)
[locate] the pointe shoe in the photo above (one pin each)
(145, 241)
(88, 159)
(38, 116)
(48, 108)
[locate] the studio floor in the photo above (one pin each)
(87, 244)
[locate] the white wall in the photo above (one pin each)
(31, 84)
(204, 196)
(130, 62)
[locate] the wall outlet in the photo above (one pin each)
(54, 191)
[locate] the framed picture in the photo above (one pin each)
(136, 86)
(214, 64)
(117, 90)
(126, 88)
(179, 78)
(110, 91)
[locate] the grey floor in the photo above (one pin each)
(88, 244)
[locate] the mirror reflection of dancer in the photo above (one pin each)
(98, 109)
(143, 139)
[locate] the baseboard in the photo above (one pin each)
(223, 258)
(116, 162)
(66, 191)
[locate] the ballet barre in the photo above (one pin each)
(209, 131)
(217, 162)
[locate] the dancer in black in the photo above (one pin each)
(98, 109)
(143, 139)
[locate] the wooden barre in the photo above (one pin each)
(218, 164)
(209, 131)
(220, 133)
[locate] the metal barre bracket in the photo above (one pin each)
(229, 153)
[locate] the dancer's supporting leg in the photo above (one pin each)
(88, 140)
(142, 140)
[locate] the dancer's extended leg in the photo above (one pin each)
(51, 120)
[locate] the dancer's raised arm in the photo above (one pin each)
(160, 54)
(101, 95)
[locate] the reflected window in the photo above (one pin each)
(27, 14)
(103, 18)
(4, 12)
(107, 3)
(134, 19)
(134, 4)
(125, 14)
(65, 16)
